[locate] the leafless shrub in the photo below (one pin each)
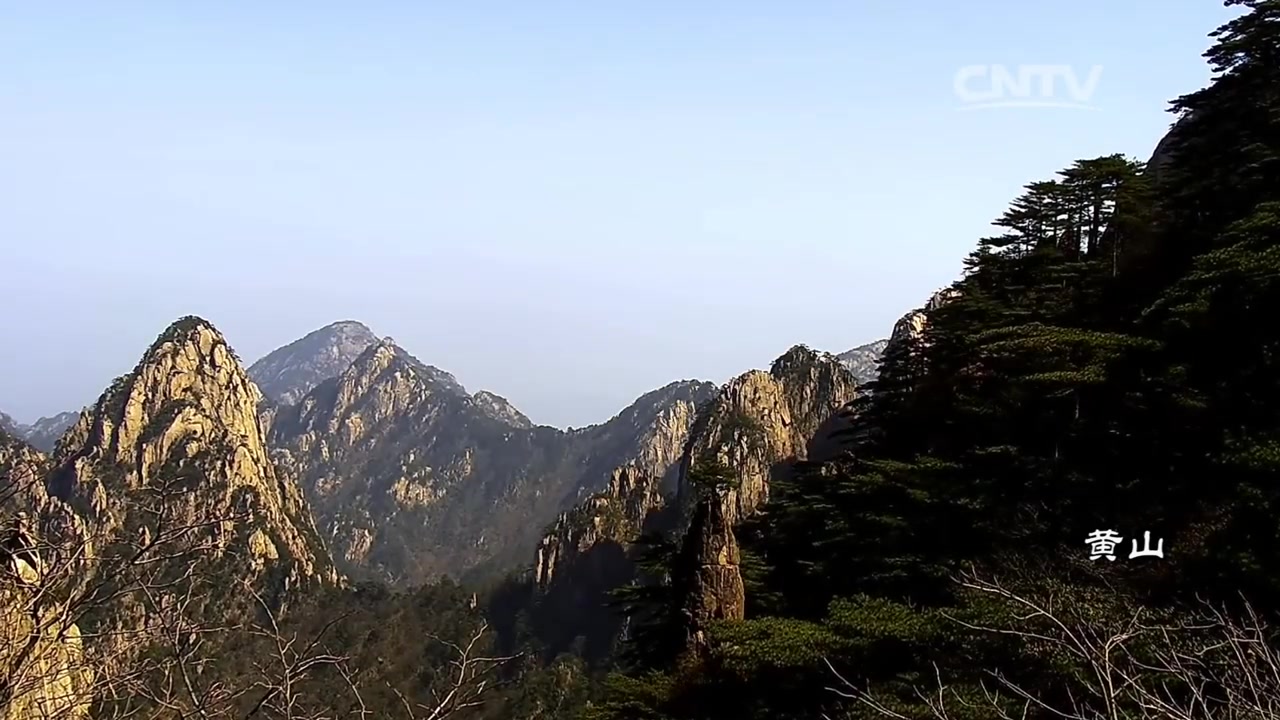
(1213, 666)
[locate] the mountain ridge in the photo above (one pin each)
(412, 477)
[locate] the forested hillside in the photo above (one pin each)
(1107, 362)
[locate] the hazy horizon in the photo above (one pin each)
(564, 204)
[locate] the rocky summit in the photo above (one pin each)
(756, 421)
(160, 508)
(177, 444)
(288, 373)
(864, 360)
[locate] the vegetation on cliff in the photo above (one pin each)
(1108, 361)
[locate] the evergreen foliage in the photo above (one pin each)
(1109, 360)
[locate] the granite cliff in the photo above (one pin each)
(761, 422)
(754, 422)
(707, 576)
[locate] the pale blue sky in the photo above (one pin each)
(567, 203)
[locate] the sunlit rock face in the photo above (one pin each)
(181, 434)
(762, 421)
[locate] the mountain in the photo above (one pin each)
(411, 477)
(159, 510)
(758, 424)
(45, 433)
(863, 361)
(288, 373)
(176, 444)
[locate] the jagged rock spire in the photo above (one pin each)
(707, 572)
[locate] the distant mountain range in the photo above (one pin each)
(410, 476)
(43, 434)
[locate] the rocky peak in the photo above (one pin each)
(755, 424)
(639, 452)
(499, 408)
(407, 472)
(288, 373)
(761, 422)
(412, 477)
(22, 470)
(183, 427)
(9, 426)
(863, 361)
(44, 434)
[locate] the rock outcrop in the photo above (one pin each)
(758, 424)
(412, 477)
(22, 471)
(1158, 165)
(9, 426)
(706, 574)
(286, 374)
(43, 668)
(761, 423)
(177, 444)
(499, 408)
(910, 327)
(659, 425)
